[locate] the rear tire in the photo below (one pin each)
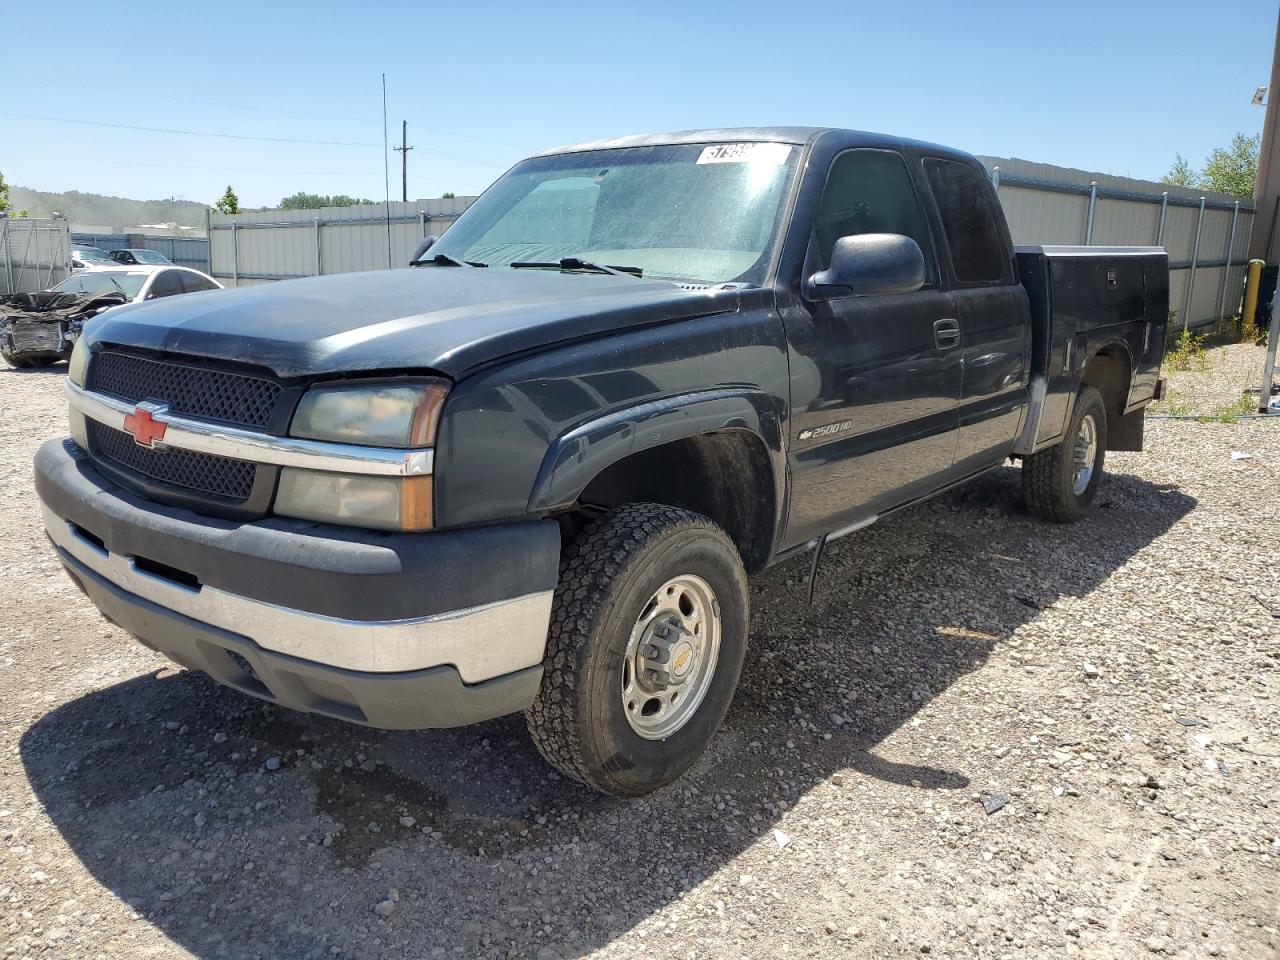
(18, 363)
(1060, 483)
(648, 632)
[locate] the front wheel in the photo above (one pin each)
(1059, 483)
(648, 632)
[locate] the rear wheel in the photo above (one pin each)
(1060, 483)
(647, 637)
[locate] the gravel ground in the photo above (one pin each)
(1106, 690)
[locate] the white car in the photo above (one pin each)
(140, 282)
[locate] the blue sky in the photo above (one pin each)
(1113, 87)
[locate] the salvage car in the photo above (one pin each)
(85, 257)
(534, 472)
(140, 282)
(135, 256)
(39, 329)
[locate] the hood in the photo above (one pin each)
(447, 319)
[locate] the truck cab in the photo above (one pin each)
(534, 470)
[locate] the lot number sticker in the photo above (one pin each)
(773, 154)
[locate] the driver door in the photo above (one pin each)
(875, 380)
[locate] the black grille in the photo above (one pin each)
(201, 472)
(188, 389)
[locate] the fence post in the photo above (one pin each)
(315, 232)
(235, 254)
(1093, 203)
(208, 241)
(8, 261)
(1191, 279)
(1231, 243)
(1164, 208)
(422, 224)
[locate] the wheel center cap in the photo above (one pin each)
(668, 655)
(682, 659)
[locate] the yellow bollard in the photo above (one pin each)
(1252, 280)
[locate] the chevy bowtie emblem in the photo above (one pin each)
(142, 424)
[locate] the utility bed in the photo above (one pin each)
(1086, 301)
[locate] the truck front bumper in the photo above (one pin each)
(400, 631)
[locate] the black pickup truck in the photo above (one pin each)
(534, 471)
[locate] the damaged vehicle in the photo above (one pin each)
(39, 329)
(534, 472)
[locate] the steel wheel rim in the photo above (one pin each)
(671, 657)
(1083, 454)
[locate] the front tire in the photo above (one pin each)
(648, 633)
(1059, 483)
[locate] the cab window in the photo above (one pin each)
(978, 253)
(869, 191)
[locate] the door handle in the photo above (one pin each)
(946, 334)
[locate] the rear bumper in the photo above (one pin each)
(392, 630)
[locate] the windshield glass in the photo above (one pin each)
(148, 256)
(693, 212)
(101, 282)
(89, 253)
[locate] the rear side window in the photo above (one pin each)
(977, 252)
(868, 191)
(166, 284)
(194, 283)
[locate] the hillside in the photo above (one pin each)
(99, 210)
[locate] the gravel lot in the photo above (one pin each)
(1113, 684)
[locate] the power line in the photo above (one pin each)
(193, 133)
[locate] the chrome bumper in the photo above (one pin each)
(481, 642)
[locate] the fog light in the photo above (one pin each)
(381, 503)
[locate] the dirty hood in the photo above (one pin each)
(448, 319)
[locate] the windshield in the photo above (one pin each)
(89, 253)
(148, 256)
(130, 284)
(693, 212)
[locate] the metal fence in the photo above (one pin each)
(1206, 234)
(184, 251)
(33, 254)
(261, 246)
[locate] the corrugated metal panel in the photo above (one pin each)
(186, 251)
(279, 244)
(34, 254)
(1042, 202)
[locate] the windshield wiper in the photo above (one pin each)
(575, 263)
(444, 260)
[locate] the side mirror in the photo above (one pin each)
(423, 247)
(867, 264)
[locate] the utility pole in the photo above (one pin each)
(1266, 192)
(403, 150)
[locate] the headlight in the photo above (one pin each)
(78, 365)
(400, 414)
(380, 503)
(374, 415)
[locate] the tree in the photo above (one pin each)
(1231, 170)
(6, 207)
(1180, 174)
(228, 202)
(310, 201)
(448, 196)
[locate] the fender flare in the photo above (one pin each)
(578, 456)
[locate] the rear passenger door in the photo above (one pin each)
(992, 307)
(874, 379)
